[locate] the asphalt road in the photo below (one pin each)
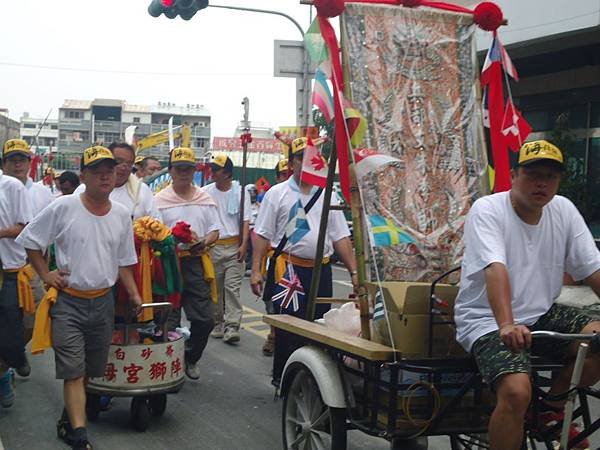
(231, 407)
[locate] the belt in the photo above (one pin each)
(228, 241)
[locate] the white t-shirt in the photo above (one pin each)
(145, 206)
(536, 257)
(273, 217)
(90, 248)
(229, 224)
(39, 195)
(202, 218)
(15, 209)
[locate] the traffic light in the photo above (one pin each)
(186, 9)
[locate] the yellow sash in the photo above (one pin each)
(284, 258)
(24, 292)
(42, 329)
(146, 281)
(209, 273)
(228, 241)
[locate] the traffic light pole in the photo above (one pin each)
(305, 62)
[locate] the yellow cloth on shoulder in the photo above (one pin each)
(42, 329)
(24, 292)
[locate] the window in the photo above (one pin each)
(200, 142)
(136, 120)
(74, 114)
(54, 127)
(29, 125)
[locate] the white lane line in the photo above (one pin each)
(343, 283)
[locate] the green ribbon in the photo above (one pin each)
(168, 257)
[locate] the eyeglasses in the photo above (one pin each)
(121, 162)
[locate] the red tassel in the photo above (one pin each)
(158, 270)
(175, 299)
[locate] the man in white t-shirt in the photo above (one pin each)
(16, 162)
(14, 215)
(270, 228)
(182, 201)
(229, 253)
(129, 190)
(94, 246)
(518, 245)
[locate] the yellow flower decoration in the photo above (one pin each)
(148, 229)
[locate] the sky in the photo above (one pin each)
(216, 59)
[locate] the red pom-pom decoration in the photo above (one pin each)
(329, 8)
(488, 16)
(168, 3)
(410, 3)
(182, 232)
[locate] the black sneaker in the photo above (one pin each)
(64, 431)
(82, 444)
(24, 370)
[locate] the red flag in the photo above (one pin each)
(491, 80)
(515, 128)
(314, 167)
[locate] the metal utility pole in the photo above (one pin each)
(246, 138)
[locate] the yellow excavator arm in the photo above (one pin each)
(183, 133)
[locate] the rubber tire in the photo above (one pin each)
(337, 425)
(92, 407)
(157, 404)
(140, 413)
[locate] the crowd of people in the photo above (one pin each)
(84, 223)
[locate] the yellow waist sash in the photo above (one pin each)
(283, 259)
(24, 292)
(228, 241)
(209, 273)
(42, 329)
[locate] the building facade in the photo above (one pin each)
(9, 128)
(40, 134)
(102, 121)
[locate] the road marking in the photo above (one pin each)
(343, 283)
(253, 325)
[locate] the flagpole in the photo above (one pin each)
(246, 137)
(316, 277)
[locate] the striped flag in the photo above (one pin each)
(322, 97)
(289, 291)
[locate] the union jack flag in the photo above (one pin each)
(289, 290)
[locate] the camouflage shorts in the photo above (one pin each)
(495, 359)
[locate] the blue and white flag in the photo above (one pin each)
(297, 226)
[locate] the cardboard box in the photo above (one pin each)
(407, 305)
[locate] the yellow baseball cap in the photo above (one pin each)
(299, 144)
(95, 155)
(139, 159)
(539, 150)
(16, 147)
(221, 160)
(282, 166)
(182, 156)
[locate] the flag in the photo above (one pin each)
(315, 44)
(507, 63)
(314, 166)
(297, 226)
(322, 97)
(515, 128)
(491, 80)
(357, 124)
(386, 233)
(289, 291)
(379, 310)
(368, 160)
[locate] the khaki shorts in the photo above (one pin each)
(494, 359)
(81, 335)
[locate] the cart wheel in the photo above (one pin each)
(140, 414)
(469, 442)
(92, 407)
(309, 423)
(157, 404)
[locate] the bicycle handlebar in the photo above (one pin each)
(562, 336)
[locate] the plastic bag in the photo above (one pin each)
(345, 319)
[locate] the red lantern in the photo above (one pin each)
(488, 16)
(329, 8)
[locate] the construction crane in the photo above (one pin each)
(182, 132)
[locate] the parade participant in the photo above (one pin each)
(129, 190)
(252, 192)
(270, 229)
(137, 165)
(518, 244)
(14, 215)
(182, 201)
(281, 171)
(229, 252)
(94, 246)
(149, 166)
(16, 162)
(67, 182)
